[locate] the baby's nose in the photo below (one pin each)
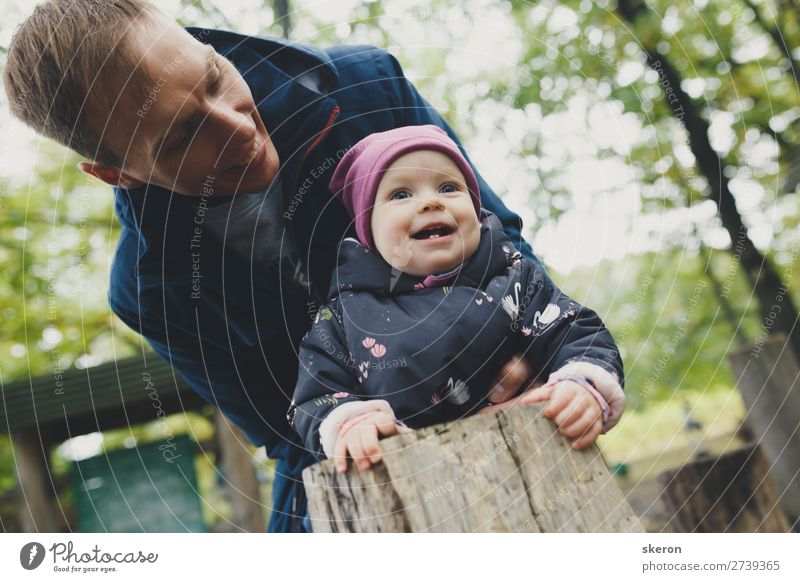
(430, 204)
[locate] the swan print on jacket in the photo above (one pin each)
(457, 392)
(433, 353)
(511, 304)
(548, 316)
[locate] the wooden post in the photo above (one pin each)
(769, 379)
(731, 493)
(38, 511)
(240, 477)
(504, 472)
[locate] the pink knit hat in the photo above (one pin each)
(356, 179)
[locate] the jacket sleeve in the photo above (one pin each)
(324, 396)
(413, 109)
(561, 337)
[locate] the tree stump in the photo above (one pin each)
(509, 471)
(768, 377)
(731, 493)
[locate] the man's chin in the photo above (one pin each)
(259, 179)
(249, 183)
(217, 189)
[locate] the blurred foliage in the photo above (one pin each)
(666, 318)
(661, 436)
(57, 237)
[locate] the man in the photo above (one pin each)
(220, 148)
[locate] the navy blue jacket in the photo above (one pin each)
(236, 342)
(433, 353)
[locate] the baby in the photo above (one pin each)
(429, 303)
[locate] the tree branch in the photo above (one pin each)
(778, 38)
(282, 15)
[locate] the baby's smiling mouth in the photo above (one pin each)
(433, 231)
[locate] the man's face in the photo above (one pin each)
(197, 119)
(424, 221)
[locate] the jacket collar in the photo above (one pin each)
(360, 269)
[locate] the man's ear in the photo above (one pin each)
(109, 175)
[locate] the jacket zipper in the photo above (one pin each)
(328, 124)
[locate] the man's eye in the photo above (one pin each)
(174, 140)
(447, 188)
(401, 195)
(214, 87)
(177, 139)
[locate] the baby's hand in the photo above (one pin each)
(402, 253)
(358, 439)
(572, 408)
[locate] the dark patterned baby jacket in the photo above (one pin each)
(434, 352)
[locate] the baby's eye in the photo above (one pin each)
(400, 195)
(447, 188)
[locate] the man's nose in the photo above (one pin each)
(233, 129)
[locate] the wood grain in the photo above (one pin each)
(509, 471)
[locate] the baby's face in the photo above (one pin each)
(424, 222)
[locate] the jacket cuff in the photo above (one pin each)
(606, 384)
(330, 427)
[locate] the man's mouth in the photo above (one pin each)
(253, 151)
(252, 155)
(433, 231)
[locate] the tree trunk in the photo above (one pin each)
(768, 377)
(241, 484)
(733, 493)
(721, 295)
(504, 472)
(38, 506)
(777, 308)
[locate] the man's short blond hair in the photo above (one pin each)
(59, 62)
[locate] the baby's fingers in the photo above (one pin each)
(386, 425)
(589, 437)
(582, 424)
(370, 448)
(512, 376)
(536, 395)
(340, 454)
(571, 413)
(559, 400)
(356, 448)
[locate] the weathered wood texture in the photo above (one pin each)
(504, 472)
(730, 493)
(769, 379)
